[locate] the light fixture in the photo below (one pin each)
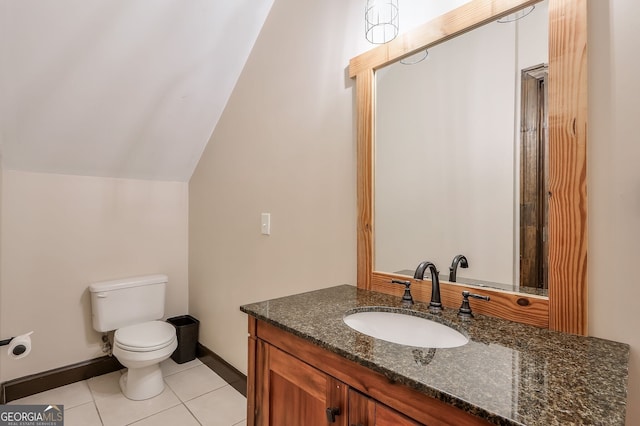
(415, 58)
(381, 21)
(516, 16)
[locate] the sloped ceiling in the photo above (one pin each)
(118, 88)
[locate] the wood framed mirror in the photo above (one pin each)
(565, 308)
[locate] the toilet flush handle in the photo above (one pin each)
(102, 295)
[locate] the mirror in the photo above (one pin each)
(448, 156)
(566, 306)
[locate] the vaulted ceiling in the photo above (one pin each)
(119, 88)
(127, 88)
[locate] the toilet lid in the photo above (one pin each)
(144, 337)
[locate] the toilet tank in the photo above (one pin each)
(118, 303)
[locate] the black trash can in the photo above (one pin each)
(187, 333)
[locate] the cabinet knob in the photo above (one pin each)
(332, 412)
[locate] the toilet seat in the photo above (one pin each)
(145, 337)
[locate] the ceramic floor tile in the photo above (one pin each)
(178, 415)
(82, 415)
(196, 381)
(170, 367)
(116, 410)
(222, 407)
(70, 396)
(99, 401)
(105, 385)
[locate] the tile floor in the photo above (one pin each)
(194, 395)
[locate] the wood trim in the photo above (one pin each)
(365, 93)
(40, 382)
(337, 398)
(261, 414)
(310, 379)
(222, 368)
(459, 21)
(567, 303)
(416, 405)
(534, 182)
(568, 166)
(46, 380)
(362, 409)
(503, 304)
(388, 416)
(251, 372)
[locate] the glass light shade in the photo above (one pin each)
(381, 21)
(516, 16)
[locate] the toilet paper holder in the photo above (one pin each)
(5, 342)
(19, 346)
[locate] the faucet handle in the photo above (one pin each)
(465, 310)
(407, 299)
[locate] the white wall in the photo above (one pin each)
(444, 157)
(447, 157)
(60, 233)
(614, 180)
(292, 106)
(285, 145)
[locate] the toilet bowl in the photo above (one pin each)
(132, 307)
(141, 348)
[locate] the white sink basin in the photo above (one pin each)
(405, 329)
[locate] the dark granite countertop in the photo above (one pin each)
(508, 373)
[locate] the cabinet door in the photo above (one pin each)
(292, 393)
(364, 411)
(386, 416)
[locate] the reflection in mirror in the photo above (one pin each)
(448, 156)
(534, 178)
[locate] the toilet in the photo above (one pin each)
(132, 307)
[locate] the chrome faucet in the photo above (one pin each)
(453, 269)
(434, 305)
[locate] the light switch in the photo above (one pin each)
(265, 220)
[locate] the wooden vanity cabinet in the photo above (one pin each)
(292, 382)
(365, 411)
(294, 393)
